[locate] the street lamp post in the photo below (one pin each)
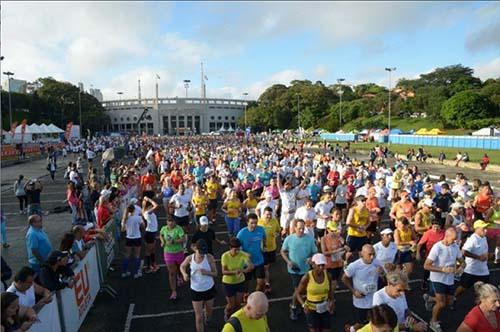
(119, 93)
(298, 114)
(245, 94)
(340, 91)
(9, 74)
(186, 86)
(80, 110)
(390, 70)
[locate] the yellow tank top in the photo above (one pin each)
(251, 203)
(426, 219)
(405, 236)
(360, 218)
(200, 204)
(317, 292)
(233, 208)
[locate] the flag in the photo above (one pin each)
(13, 129)
(23, 129)
(206, 78)
(67, 133)
(157, 76)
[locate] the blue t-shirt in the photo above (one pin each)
(199, 173)
(314, 191)
(251, 242)
(37, 239)
(299, 250)
(265, 178)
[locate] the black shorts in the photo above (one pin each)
(356, 243)
(295, 279)
(318, 321)
(372, 227)
(319, 232)
(182, 221)
(468, 280)
(335, 273)
(403, 257)
(212, 204)
(133, 242)
(149, 194)
(341, 206)
(361, 315)
(257, 273)
(233, 289)
(269, 257)
(203, 296)
(149, 237)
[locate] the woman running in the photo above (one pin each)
(202, 274)
(132, 225)
(148, 212)
(232, 208)
(172, 237)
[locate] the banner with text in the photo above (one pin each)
(48, 318)
(76, 302)
(107, 250)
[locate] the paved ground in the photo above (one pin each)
(143, 305)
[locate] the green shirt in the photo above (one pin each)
(172, 234)
(232, 263)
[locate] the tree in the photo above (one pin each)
(446, 75)
(466, 106)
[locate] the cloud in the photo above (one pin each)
(487, 70)
(487, 37)
(321, 71)
(281, 77)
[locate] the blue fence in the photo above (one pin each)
(466, 142)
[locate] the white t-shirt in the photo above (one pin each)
(444, 256)
(476, 245)
(340, 194)
(263, 204)
(152, 222)
(26, 299)
(288, 200)
(73, 177)
(365, 280)
(382, 194)
(305, 214)
(385, 254)
(182, 201)
(398, 304)
(323, 208)
(132, 226)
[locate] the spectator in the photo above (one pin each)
(55, 274)
(6, 272)
(252, 317)
(37, 242)
(27, 290)
(33, 189)
(442, 157)
(485, 316)
(21, 194)
(484, 162)
(14, 317)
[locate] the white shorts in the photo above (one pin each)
(286, 218)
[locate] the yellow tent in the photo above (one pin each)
(422, 131)
(437, 131)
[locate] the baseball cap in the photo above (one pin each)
(319, 259)
(428, 202)
(480, 224)
(332, 226)
(386, 231)
(457, 205)
(204, 220)
(327, 189)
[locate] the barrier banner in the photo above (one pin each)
(67, 133)
(75, 303)
(107, 250)
(49, 318)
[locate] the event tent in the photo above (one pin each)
(487, 131)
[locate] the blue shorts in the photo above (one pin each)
(232, 289)
(403, 257)
(440, 288)
(356, 243)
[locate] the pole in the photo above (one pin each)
(390, 70)
(245, 94)
(10, 106)
(298, 112)
(340, 112)
(80, 110)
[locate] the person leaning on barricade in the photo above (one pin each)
(15, 318)
(56, 274)
(27, 290)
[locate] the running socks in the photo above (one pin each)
(137, 265)
(125, 265)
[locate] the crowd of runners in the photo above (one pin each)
(335, 221)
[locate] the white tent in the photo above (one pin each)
(487, 131)
(54, 129)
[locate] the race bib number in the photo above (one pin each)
(322, 307)
(370, 288)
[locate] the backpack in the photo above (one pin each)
(235, 323)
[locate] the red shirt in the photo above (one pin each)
(333, 178)
(103, 216)
(430, 238)
(476, 321)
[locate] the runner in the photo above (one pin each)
(357, 222)
(181, 204)
(202, 274)
(213, 189)
(385, 253)
(323, 211)
(288, 197)
(149, 207)
(232, 208)
(333, 247)
(308, 214)
(200, 203)
(132, 225)
(172, 237)
(405, 240)
(272, 231)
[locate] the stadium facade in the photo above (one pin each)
(174, 116)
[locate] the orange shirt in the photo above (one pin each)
(407, 209)
(483, 202)
(371, 204)
(148, 181)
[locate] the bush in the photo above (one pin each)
(481, 123)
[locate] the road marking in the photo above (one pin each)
(189, 311)
(130, 315)
(43, 202)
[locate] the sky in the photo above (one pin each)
(245, 46)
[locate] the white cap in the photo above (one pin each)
(204, 220)
(319, 259)
(386, 231)
(105, 192)
(327, 189)
(134, 200)
(428, 202)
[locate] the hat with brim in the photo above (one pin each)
(386, 231)
(319, 259)
(481, 224)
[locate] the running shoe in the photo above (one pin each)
(435, 326)
(155, 268)
(125, 275)
(138, 275)
(293, 314)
